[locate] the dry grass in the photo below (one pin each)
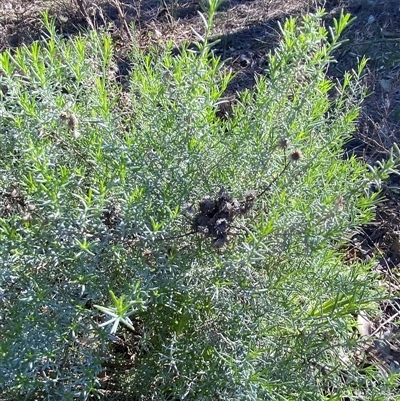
(156, 21)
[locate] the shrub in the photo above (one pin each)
(178, 254)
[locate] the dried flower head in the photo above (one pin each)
(339, 203)
(72, 122)
(248, 203)
(73, 126)
(64, 116)
(76, 134)
(221, 226)
(219, 241)
(207, 205)
(283, 143)
(250, 197)
(27, 217)
(189, 209)
(296, 155)
(214, 216)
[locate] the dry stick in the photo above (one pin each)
(384, 324)
(138, 9)
(381, 253)
(67, 145)
(287, 162)
(177, 236)
(371, 42)
(170, 17)
(242, 228)
(123, 19)
(82, 8)
(273, 181)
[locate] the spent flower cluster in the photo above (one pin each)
(215, 217)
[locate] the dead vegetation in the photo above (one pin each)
(215, 217)
(155, 21)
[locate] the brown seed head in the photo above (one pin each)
(296, 155)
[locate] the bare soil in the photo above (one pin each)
(248, 29)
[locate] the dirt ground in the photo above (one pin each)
(248, 29)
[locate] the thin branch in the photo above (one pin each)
(82, 8)
(123, 19)
(176, 237)
(273, 181)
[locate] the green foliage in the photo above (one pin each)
(94, 182)
(121, 310)
(209, 7)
